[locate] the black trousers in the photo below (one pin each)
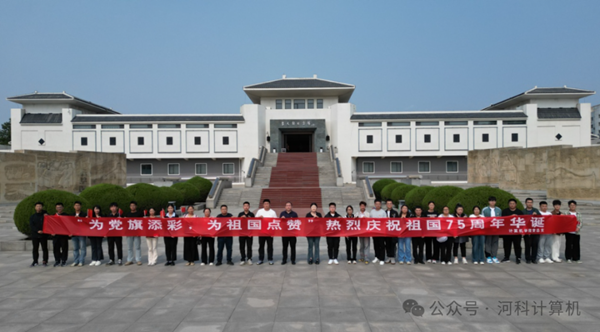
(417, 248)
(291, 242)
(572, 250)
(351, 247)
(190, 249)
(60, 244)
(463, 249)
(333, 247)
(171, 248)
(208, 250)
(446, 250)
(379, 248)
(36, 249)
(96, 244)
(531, 246)
(390, 246)
(509, 242)
(246, 247)
(224, 242)
(429, 243)
(112, 243)
(262, 240)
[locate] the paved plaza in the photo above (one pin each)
(301, 297)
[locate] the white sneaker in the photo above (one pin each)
(381, 263)
(98, 263)
(558, 260)
(450, 263)
(249, 262)
(400, 262)
(375, 260)
(393, 261)
(407, 263)
(242, 263)
(475, 263)
(80, 264)
(496, 260)
(569, 261)
(443, 263)
(330, 262)
(434, 261)
(335, 261)
(211, 264)
(202, 264)
(549, 261)
(464, 261)
(93, 263)
(429, 261)
(349, 262)
(455, 260)
(579, 261)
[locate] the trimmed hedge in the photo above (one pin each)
(440, 196)
(379, 185)
(387, 190)
(400, 193)
(147, 196)
(479, 196)
(203, 185)
(414, 197)
(191, 193)
(103, 194)
(26, 207)
(171, 194)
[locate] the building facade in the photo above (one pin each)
(301, 115)
(596, 120)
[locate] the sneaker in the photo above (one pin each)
(569, 261)
(443, 263)
(518, 261)
(64, 263)
(549, 261)
(271, 262)
(361, 260)
(464, 261)
(243, 263)
(393, 261)
(74, 264)
(366, 262)
(98, 263)
(450, 263)
(455, 260)
(187, 264)
(128, 263)
(310, 262)
(429, 261)
(211, 264)
(93, 263)
(407, 263)
(354, 262)
(434, 261)
(335, 261)
(375, 260)
(33, 264)
(120, 262)
(202, 264)
(317, 262)
(80, 264)
(259, 263)
(579, 262)
(293, 262)
(400, 262)
(219, 263)
(558, 260)
(283, 262)
(349, 262)
(56, 264)
(139, 263)
(496, 260)
(168, 264)
(489, 260)
(228, 263)
(541, 261)
(250, 261)
(110, 262)
(505, 260)
(44, 264)
(475, 263)
(330, 262)
(381, 263)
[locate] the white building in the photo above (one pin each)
(596, 120)
(301, 115)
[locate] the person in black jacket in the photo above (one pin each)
(115, 241)
(313, 241)
(512, 240)
(60, 243)
(246, 241)
(36, 226)
(79, 242)
(418, 242)
(288, 240)
(351, 241)
(432, 246)
(224, 241)
(390, 242)
(96, 241)
(333, 242)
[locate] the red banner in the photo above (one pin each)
(336, 227)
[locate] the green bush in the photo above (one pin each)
(479, 196)
(400, 193)
(379, 185)
(414, 197)
(171, 194)
(203, 185)
(386, 193)
(103, 194)
(191, 193)
(26, 207)
(147, 196)
(440, 196)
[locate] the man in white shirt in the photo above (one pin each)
(545, 245)
(379, 242)
(265, 212)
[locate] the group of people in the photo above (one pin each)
(402, 250)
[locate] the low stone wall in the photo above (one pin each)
(23, 173)
(563, 171)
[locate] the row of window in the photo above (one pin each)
(298, 103)
(200, 169)
(160, 126)
(437, 123)
(141, 141)
(368, 167)
(455, 138)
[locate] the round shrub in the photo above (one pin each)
(203, 185)
(379, 185)
(171, 194)
(386, 193)
(479, 196)
(400, 192)
(191, 193)
(26, 207)
(414, 197)
(440, 196)
(147, 196)
(103, 194)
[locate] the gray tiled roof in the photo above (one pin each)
(42, 118)
(62, 96)
(558, 113)
(438, 115)
(558, 90)
(298, 83)
(159, 118)
(539, 91)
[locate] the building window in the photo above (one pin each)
(514, 122)
(173, 169)
(319, 103)
(112, 141)
(140, 126)
(201, 169)
(398, 138)
(427, 138)
(169, 140)
(84, 126)
(278, 104)
(113, 126)
(485, 138)
(424, 167)
(427, 123)
(398, 124)
(484, 123)
(311, 103)
(201, 125)
(146, 169)
(225, 140)
(169, 126)
(456, 123)
(369, 139)
(299, 104)
(288, 104)
(456, 138)
(140, 141)
(369, 124)
(197, 140)
(225, 125)
(228, 169)
(368, 167)
(515, 137)
(396, 167)
(84, 141)
(452, 167)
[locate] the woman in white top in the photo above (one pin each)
(152, 241)
(478, 240)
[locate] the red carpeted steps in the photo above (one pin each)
(294, 179)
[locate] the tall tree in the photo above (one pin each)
(5, 133)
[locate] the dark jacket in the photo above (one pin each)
(508, 212)
(82, 214)
(284, 214)
(136, 214)
(393, 213)
(243, 215)
(228, 215)
(531, 212)
(36, 223)
(336, 215)
(309, 215)
(433, 214)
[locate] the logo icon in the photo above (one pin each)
(413, 307)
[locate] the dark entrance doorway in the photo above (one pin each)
(298, 141)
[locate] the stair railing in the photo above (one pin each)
(215, 191)
(249, 180)
(338, 168)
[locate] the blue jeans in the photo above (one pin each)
(478, 244)
(79, 249)
(404, 253)
(225, 241)
(131, 242)
(313, 248)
